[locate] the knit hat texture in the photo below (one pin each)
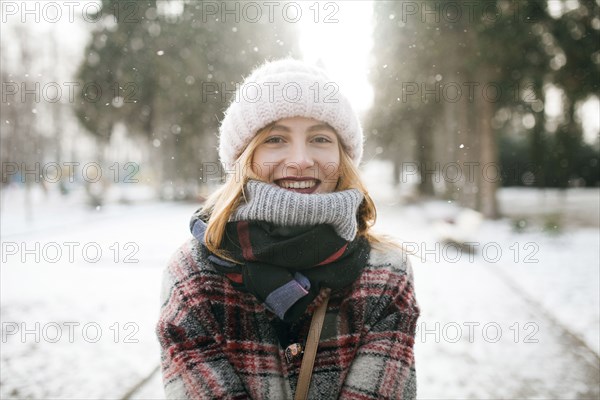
(287, 88)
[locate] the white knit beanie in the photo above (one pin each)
(283, 89)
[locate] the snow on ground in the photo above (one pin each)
(491, 327)
(561, 272)
(95, 314)
(477, 338)
(577, 206)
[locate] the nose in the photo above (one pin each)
(300, 157)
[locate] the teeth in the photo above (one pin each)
(297, 184)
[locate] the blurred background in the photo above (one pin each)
(482, 123)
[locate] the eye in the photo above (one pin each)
(274, 139)
(322, 139)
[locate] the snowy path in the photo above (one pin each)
(479, 336)
(518, 345)
(512, 351)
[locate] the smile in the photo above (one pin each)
(300, 186)
(297, 184)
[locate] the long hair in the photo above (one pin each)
(223, 202)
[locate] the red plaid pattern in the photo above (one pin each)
(218, 343)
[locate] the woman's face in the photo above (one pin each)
(299, 154)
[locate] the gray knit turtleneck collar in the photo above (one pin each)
(271, 203)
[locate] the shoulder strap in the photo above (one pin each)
(310, 350)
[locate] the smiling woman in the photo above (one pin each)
(300, 154)
(285, 246)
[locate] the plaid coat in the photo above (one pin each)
(218, 343)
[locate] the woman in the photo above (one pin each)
(287, 233)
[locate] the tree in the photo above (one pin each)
(172, 74)
(576, 65)
(465, 76)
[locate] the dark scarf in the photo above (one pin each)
(285, 267)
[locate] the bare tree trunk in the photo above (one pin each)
(397, 171)
(468, 144)
(424, 158)
(490, 167)
(447, 137)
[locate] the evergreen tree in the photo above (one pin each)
(473, 73)
(172, 74)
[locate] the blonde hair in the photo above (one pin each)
(224, 201)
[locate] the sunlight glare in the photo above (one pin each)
(342, 47)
